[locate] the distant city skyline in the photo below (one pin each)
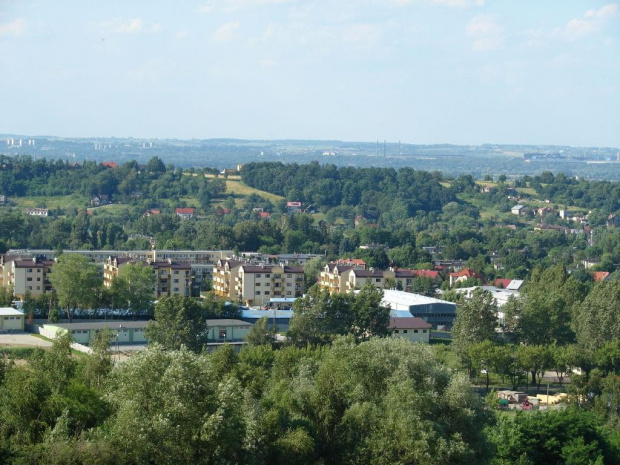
(419, 71)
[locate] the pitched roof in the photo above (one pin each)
(109, 164)
(184, 211)
(467, 272)
(600, 275)
(367, 273)
(409, 323)
(503, 281)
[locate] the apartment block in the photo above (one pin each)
(172, 277)
(26, 275)
(257, 284)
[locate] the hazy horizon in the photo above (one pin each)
(425, 72)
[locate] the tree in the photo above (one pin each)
(6, 296)
(475, 322)
(597, 319)
(137, 287)
(76, 281)
(261, 334)
(99, 364)
(370, 318)
(179, 321)
(312, 271)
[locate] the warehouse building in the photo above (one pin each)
(439, 313)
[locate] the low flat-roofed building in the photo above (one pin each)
(280, 318)
(439, 313)
(133, 332)
(11, 320)
(412, 328)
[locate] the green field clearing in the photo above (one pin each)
(110, 210)
(61, 201)
(238, 188)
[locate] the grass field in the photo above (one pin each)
(238, 188)
(61, 201)
(110, 210)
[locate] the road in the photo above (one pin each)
(22, 340)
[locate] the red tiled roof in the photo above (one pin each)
(503, 281)
(264, 214)
(184, 211)
(465, 272)
(600, 275)
(409, 323)
(109, 164)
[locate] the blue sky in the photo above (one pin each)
(420, 71)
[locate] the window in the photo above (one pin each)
(222, 334)
(28, 270)
(258, 275)
(176, 271)
(424, 331)
(257, 284)
(404, 331)
(176, 289)
(257, 292)
(28, 279)
(288, 292)
(289, 275)
(266, 292)
(415, 331)
(395, 331)
(378, 280)
(267, 275)
(38, 279)
(176, 280)
(29, 288)
(289, 284)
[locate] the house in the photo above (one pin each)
(436, 312)
(11, 320)
(229, 171)
(294, 207)
(352, 262)
(613, 221)
(101, 199)
(519, 210)
(405, 278)
(600, 276)
(463, 275)
(109, 164)
(3, 200)
(414, 329)
(588, 264)
(184, 213)
(264, 215)
(37, 211)
(152, 212)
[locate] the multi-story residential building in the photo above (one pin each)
(172, 277)
(100, 256)
(225, 274)
(257, 284)
(27, 276)
(356, 279)
(334, 278)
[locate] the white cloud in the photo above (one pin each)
(226, 32)
(128, 26)
(594, 20)
(13, 29)
(485, 32)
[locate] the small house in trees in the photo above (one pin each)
(519, 210)
(463, 275)
(413, 329)
(185, 213)
(294, 207)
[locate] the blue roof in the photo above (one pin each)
(400, 314)
(285, 314)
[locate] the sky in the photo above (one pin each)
(419, 71)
